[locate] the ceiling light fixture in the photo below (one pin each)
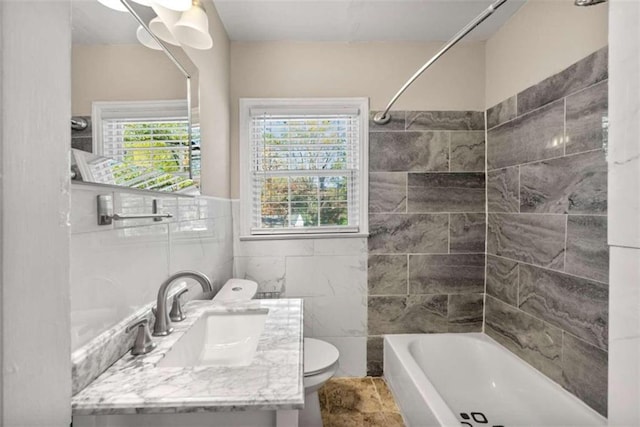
(146, 39)
(145, 2)
(161, 31)
(193, 28)
(114, 4)
(178, 5)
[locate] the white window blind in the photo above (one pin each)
(305, 170)
(149, 143)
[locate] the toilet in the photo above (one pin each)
(320, 364)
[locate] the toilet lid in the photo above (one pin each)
(318, 356)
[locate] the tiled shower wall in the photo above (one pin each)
(427, 226)
(547, 254)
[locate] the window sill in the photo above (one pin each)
(304, 236)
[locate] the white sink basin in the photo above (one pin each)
(218, 339)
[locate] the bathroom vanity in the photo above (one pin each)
(261, 384)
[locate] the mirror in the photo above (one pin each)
(134, 108)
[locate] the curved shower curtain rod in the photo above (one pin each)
(383, 117)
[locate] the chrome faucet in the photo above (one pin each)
(162, 326)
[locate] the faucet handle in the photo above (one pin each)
(143, 343)
(176, 314)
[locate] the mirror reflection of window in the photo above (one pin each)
(135, 102)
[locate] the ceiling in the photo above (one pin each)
(94, 23)
(358, 20)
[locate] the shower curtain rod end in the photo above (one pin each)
(381, 118)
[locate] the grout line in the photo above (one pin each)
(586, 88)
(486, 217)
(408, 288)
(449, 152)
(606, 350)
(449, 234)
(518, 286)
(548, 269)
(566, 238)
(406, 192)
(549, 159)
(564, 130)
(519, 189)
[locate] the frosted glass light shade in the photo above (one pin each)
(161, 31)
(179, 5)
(193, 29)
(145, 38)
(114, 4)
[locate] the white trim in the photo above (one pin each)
(304, 236)
(300, 105)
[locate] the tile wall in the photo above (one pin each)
(427, 226)
(329, 274)
(547, 254)
(624, 207)
(117, 269)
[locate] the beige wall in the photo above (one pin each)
(375, 70)
(542, 38)
(122, 73)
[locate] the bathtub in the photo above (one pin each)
(470, 380)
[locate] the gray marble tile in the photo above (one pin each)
(387, 192)
(575, 184)
(576, 305)
(586, 111)
(446, 192)
(582, 74)
(465, 313)
(446, 274)
(535, 136)
(533, 238)
(585, 372)
(529, 338)
(502, 279)
(375, 356)
(445, 120)
(397, 122)
(502, 112)
(587, 247)
(467, 233)
(404, 233)
(467, 151)
(413, 314)
(409, 151)
(387, 274)
(503, 190)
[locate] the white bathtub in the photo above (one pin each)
(439, 377)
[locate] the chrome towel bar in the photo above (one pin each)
(106, 215)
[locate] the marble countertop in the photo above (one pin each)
(273, 380)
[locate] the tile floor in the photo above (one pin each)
(358, 402)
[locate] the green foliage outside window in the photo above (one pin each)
(305, 200)
(145, 164)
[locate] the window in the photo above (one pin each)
(149, 144)
(303, 166)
